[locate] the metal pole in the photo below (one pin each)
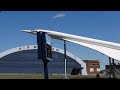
(110, 67)
(40, 54)
(65, 59)
(113, 66)
(45, 70)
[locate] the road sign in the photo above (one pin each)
(44, 46)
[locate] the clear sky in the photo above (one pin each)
(104, 25)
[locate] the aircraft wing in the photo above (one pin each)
(108, 48)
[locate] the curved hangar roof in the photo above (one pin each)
(31, 47)
(108, 48)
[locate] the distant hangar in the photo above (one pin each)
(24, 60)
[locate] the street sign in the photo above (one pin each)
(44, 42)
(48, 47)
(48, 39)
(44, 46)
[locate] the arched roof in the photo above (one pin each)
(31, 47)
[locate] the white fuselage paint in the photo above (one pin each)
(108, 48)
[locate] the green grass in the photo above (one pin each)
(39, 76)
(21, 76)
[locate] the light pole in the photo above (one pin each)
(65, 59)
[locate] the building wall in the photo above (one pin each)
(92, 66)
(26, 61)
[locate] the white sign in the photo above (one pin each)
(48, 40)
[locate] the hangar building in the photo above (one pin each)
(24, 60)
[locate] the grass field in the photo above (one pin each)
(39, 76)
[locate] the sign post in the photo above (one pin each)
(44, 50)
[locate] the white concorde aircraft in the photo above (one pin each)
(108, 48)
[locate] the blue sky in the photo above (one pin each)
(104, 25)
